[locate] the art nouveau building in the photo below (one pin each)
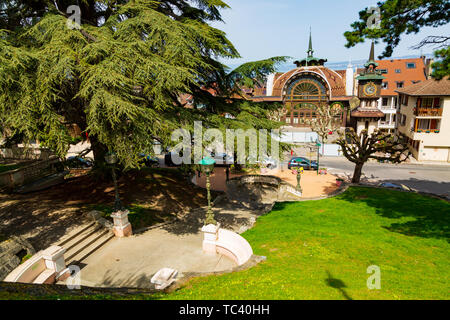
(308, 85)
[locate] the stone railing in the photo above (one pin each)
(22, 153)
(32, 172)
(257, 189)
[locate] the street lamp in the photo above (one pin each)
(299, 171)
(111, 159)
(207, 165)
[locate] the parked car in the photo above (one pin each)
(302, 162)
(395, 186)
(148, 160)
(75, 162)
(222, 159)
(267, 162)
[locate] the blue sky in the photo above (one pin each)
(264, 28)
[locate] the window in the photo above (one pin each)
(385, 102)
(400, 84)
(411, 65)
(384, 85)
(398, 71)
(288, 120)
(384, 71)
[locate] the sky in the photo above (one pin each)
(261, 29)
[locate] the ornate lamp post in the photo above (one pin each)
(111, 159)
(299, 171)
(207, 165)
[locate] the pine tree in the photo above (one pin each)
(405, 17)
(118, 75)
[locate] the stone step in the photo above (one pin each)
(71, 237)
(80, 238)
(84, 247)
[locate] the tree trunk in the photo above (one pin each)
(99, 150)
(357, 173)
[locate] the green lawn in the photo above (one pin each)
(321, 250)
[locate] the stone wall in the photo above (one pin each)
(22, 153)
(26, 174)
(11, 254)
(256, 190)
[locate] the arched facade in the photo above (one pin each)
(302, 94)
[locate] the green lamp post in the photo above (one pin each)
(111, 159)
(207, 165)
(299, 171)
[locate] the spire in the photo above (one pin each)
(372, 52)
(371, 65)
(310, 49)
(310, 60)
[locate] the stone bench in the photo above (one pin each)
(43, 267)
(226, 242)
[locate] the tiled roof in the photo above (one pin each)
(357, 113)
(428, 88)
(406, 75)
(333, 78)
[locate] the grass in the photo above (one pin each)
(322, 249)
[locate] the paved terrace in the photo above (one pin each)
(132, 261)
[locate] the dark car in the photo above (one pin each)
(148, 160)
(75, 162)
(302, 162)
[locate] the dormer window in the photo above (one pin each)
(398, 71)
(411, 65)
(384, 85)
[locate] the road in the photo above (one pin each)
(426, 178)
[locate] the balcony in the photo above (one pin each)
(385, 124)
(426, 131)
(428, 112)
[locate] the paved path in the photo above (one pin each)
(131, 262)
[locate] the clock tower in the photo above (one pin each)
(367, 113)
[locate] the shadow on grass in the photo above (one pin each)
(337, 284)
(431, 216)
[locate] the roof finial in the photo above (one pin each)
(310, 49)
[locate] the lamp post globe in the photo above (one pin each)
(207, 165)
